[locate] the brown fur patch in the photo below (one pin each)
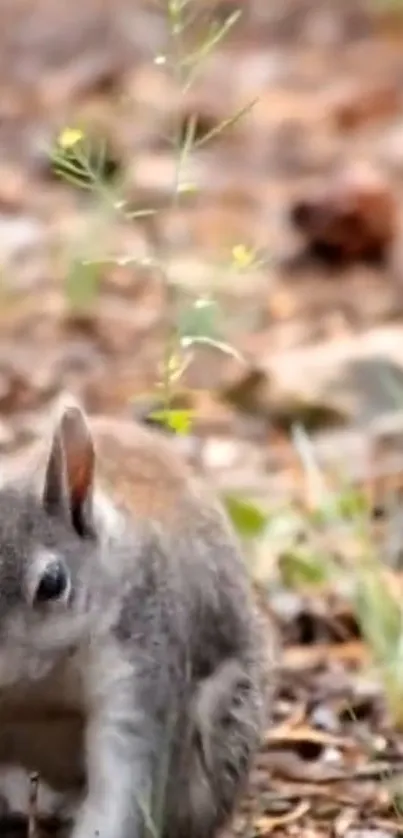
(141, 471)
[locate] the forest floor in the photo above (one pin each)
(316, 397)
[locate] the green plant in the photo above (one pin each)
(341, 513)
(395, 6)
(328, 542)
(81, 161)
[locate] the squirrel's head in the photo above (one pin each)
(47, 537)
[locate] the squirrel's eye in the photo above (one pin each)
(53, 583)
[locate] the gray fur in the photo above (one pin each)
(144, 690)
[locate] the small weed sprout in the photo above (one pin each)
(81, 162)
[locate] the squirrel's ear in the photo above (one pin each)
(69, 477)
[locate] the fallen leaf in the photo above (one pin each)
(303, 733)
(266, 824)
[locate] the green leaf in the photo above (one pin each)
(300, 567)
(199, 320)
(179, 421)
(352, 504)
(225, 124)
(349, 505)
(248, 520)
(217, 33)
(72, 172)
(87, 164)
(82, 283)
(379, 614)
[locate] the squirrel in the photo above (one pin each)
(135, 670)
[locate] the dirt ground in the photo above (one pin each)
(320, 326)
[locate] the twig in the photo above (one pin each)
(33, 806)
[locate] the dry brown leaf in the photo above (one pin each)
(301, 657)
(266, 823)
(304, 733)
